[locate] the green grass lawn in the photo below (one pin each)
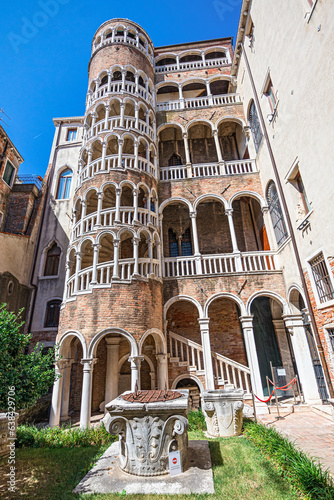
(240, 472)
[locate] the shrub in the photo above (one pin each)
(61, 437)
(196, 420)
(30, 375)
(302, 471)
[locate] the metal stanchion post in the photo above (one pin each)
(272, 374)
(254, 409)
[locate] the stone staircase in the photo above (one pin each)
(189, 354)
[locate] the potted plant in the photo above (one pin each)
(24, 377)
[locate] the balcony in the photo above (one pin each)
(210, 63)
(118, 88)
(113, 162)
(199, 102)
(129, 123)
(208, 265)
(89, 224)
(105, 275)
(181, 172)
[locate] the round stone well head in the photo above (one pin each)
(150, 424)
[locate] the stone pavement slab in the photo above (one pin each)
(107, 477)
(311, 432)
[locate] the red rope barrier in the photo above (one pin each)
(266, 401)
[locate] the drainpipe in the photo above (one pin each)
(46, 196)
(293, 239)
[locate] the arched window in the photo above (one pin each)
(52, 261)
(104, 80)
(255, 126)
(276, 213)
(52, 313)
(64, 185)
(174, 160)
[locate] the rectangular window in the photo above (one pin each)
(322, 278)
(71, 134)
(331, 337)
(9, 174)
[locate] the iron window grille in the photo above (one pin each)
(255, 126)
(322, 278)
(276, 214)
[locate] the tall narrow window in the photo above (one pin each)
(9, 172)
(322, 278)
(173, 244)
(186, 248)
(64, 186)
(331, 337)
(71, 134)
(52, 261)
(52, 313)
(271, 95)
(276, 214)
(255, 126)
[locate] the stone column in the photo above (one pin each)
(178, 62)
(136, 145)
(203, 59)
(205, 334)
(135, 371)
(150, 254)
(120, 150)
(57, 394)
(116, 257)
(135, 205)
(236, 251)
(106, 118)
(135, 255)
(208, 91)
(66, 390)
(89, 160)
(218, 148)
(99, 208)
(186, 149)
(294, 324)
(181, 98)
(113, 35)
(125, 35)
(137, 113)
(77, 270)
(197, 255)
(122, 105)
(83, 215)
(159, 258)
(118, 205)
(112, 373)
(137, 86)
(109, 88)
(162, 370)
(253, 362)
(123, 79)
(103, 157)
(96, 247)
(86, 398)
(94, 116)
(149, 199)
(67, 277)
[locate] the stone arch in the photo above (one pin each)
(209, 196)
(187, 298)
(65, 340)
(175, 200)
(225, 295)
(269, 294)
(159, 338)
(192, 377)
(117, 331)
(251, 194)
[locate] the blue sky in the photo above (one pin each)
(45, 49)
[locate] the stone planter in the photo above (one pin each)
(7, 430)
(223, 411)
(148, 432)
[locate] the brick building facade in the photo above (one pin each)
(164, 257)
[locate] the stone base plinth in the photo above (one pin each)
(223, 411)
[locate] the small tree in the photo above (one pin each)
(31, 374)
